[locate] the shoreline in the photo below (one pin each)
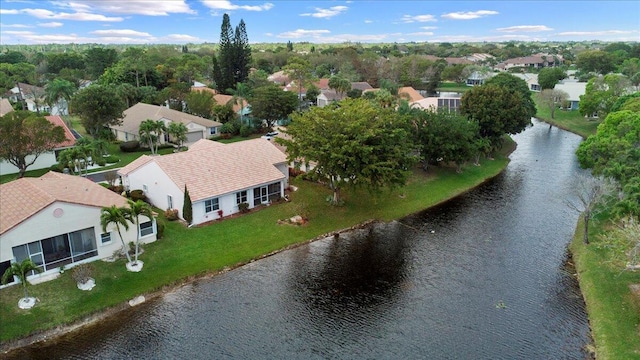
(91, 319)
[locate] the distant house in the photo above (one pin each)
(478, 78)
(279, 78)
(33, 97)
(328, 96)
(222, 99)
(321, 84)
(197, 127)
(54, 220)
(537, 61)
(449, 102)
(45, 160)
(410, 94)
(574, 89)
(219, 177)
(361, 85)
(531, 80)
(5, 107)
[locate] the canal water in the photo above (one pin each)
(484, 276)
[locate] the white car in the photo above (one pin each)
(269, 135)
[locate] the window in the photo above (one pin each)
(145, 188)
(169, 202)
(59, 250)
(105, 238)
(212, 131)
(211, 205)
(264, 194)
(146, 228)
(241, 197)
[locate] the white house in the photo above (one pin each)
(446, 101)
(219, 177)
(531, 80)
(55, 221)
(197, 127)
(574, 89)
(47, 159)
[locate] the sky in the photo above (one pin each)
(199, 21)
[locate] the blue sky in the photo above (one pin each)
(197, 21)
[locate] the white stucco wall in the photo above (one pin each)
(61, 218)
(158, 186)
(43, 161)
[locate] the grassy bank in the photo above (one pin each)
(614, 313)
(568, 120)
(185, 253)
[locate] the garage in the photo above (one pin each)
(193, 137)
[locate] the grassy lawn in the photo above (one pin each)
(185, 253)
(614, 314)
(237, 138)
(453, 87)
(568, 120)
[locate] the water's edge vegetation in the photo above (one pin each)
(185, 255)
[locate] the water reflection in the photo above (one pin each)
(482, 277)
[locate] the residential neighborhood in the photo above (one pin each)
(386, 176)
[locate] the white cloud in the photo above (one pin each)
(418, 18)
(133, 7)
(78, 16)
(525, 28)
(368, 21)
(468, 15)
(121, 32)
(181, 38)
(300, 33)
(327, 13)
(597, 33)
(9, 11)
(428, 27)
(14, 26)
(420, 33)
(227, 5)
(52, 24)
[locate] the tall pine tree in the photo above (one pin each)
(187, 207)
(231, 66)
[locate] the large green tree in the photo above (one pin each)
(233, 60)
(98, 107)
(552, 98)
(353, 143)
(514, 84)
(601, 93)
(614, 150)
(299, 69)
(98, 59)
(200, 103)
(151, 132)
(596, 61)
(497, 110)
(548, 77)
(24, 136)
(271, 103)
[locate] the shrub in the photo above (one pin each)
(171, 214)
(136, 195)
(56, 168)
(130, 146)
(160, 226)
(245, 130)
(243, 207)
(100, 161)
(118, 189)
(111, 159)
(82, 273)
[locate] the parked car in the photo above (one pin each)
(270, 135)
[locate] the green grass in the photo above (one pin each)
(453, 87)
(185, 253)
(614, 314)
(237, 138)
(568, 120)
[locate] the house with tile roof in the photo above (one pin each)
(531, 80)
(219, 177)
(574, 89)
(410, 94)
(197, 127)
(54, 220)
(47, 159)
(5, 107)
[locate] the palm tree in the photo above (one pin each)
(150, 132)
(178, 132)
(119, 217)
(136, 209)
(20, 270)
(58, 90)
(240, 94)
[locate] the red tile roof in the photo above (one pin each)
(70, 140)
(20, 199)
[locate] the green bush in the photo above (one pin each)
(243, 207)
(130, 146)
(171, 214)
(245, 131)
(136, 195)
(100, 161)
(57, 168)
(111, 159)
(160, 226)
